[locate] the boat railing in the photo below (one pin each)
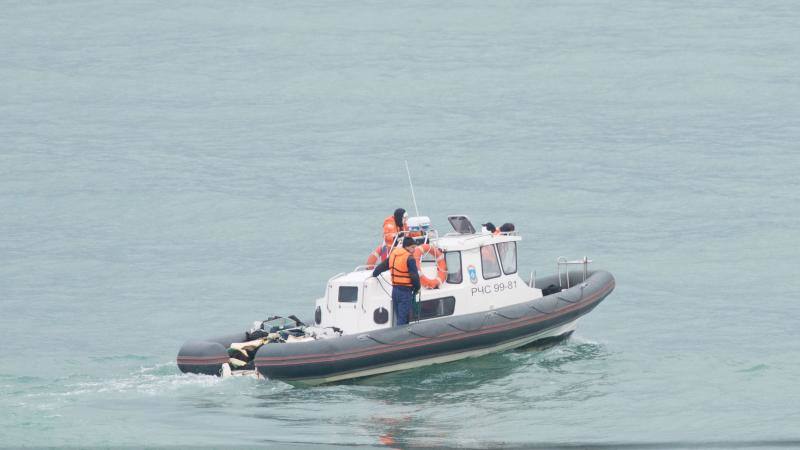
(430, 236)
(468, 237)
(532, 282)
(563, 263)
(340, 274)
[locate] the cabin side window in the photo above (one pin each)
(348, 294)
(438, 307)
(453, 260)
(508, 256)
(489, 263)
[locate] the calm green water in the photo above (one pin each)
(177, 170)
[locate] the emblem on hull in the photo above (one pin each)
(473, 274)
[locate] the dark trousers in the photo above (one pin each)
(401, 301)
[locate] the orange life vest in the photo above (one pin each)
(390, 230)
(398, 263)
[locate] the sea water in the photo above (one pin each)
(177, 170)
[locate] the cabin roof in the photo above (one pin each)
(460, 242)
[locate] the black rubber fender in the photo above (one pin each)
(204, 357)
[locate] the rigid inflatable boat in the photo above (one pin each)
(475, 303)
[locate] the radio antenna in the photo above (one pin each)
(413, 197)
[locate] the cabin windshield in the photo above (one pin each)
(508, 256)
(489, 262)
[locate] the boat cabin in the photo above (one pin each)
(481, 274)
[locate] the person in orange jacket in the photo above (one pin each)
(394, 224)
(405, 278)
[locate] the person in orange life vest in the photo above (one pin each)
(405, 278)
(393, 224)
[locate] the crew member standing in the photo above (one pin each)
(405, 278)
(394, 224)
